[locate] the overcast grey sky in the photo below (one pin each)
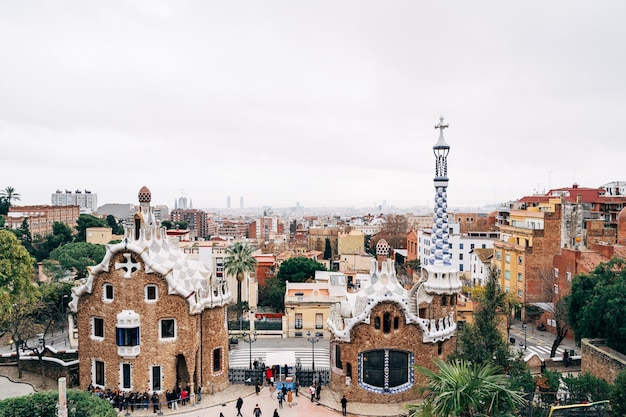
(319, 102)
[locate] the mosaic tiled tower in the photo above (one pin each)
(441, 276)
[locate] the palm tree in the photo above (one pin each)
(9, 195)
(6, 197)
(239, 262)
(463, 389)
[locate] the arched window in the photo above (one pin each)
(396, 322)
(377, 323)
(385, 370)
(386, 323)
(444, 300)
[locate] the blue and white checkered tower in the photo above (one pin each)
(440, 276)
(439, 246)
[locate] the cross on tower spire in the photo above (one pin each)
(441, 126)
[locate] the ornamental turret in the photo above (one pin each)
(440, 276)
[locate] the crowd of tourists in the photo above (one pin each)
(126, 401)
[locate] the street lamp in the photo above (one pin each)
(524, 327)
(63, 318)
(250, 338)
(313, 340)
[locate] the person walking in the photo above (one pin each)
(257, 388)
(318, 390)
(155, 402)
(344, 405)
(275, 413)
(312, 392)
(257, 411)
(289, 398)
(296, 386)
(238, 406)
(272, 389)
(280, 398)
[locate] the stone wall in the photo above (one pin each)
(179, 357)
(365, 337)
(600, 360)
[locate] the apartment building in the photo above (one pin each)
(41, 218)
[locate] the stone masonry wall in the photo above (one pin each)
(129, 294)
(366, 337)
(601, 361)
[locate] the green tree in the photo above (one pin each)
(298, 269)
(586, 387)
(465, 389)
(483, 341)
(115, 226)
(239, 262)
(84, 222)
(48, 310)
(78, 256)
(7, 197)
(597, 307)
(167, 224)
(328, 250)
(618, 394)
(44, 404)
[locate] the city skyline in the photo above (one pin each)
(284, 102)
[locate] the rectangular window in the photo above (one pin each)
(519, 277)
(98, 327)
(167, 329)
(520, 260)
(498, 255)
(461, 267)
(556, 289)
(519, 293)
(217, 360)
(298, 320)
(507, 274)
(319, 321)
(151, 293)
(126, 378)
(556, 272)
(460, 256)
(127, 336)
(156, 378)
(108, 292)
(569, 277)
(507, 258)
(460, 246)
(99, 373)
(338, 363)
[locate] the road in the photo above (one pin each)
(538, 342)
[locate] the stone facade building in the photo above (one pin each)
(150, 318)
(380, 332)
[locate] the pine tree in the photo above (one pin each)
(483, 341)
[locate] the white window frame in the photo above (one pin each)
(93, 329)
(168, 339)
(156, 293)
(151, 370)
(93, 373)
(104, 292)
(122, 387)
